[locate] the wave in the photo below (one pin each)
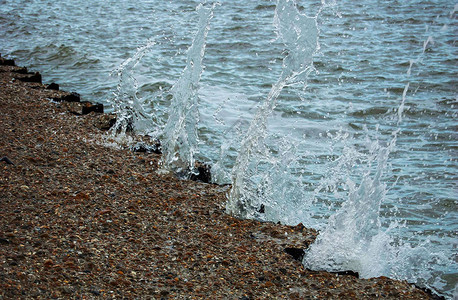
(265, 7)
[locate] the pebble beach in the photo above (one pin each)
(82, 220)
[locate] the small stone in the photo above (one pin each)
(299, 227)
(7, 160)
(296, 253)
(349, 272)
(201, 172)
(67, 290)
(95, 292)
(48, 263)
(105, 121)
(4, 241)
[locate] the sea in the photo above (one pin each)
(337, 114)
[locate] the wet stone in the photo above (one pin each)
(203, 173)
(68, 97)
(84, 108)
(92, 107)
(20, 70)
(144, 148)
(52, 86)
(30, 77)
(296, 253)
(7, 62)
(348, 272)
(299, 227)
(6, 160)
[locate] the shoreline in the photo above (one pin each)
(81, 220)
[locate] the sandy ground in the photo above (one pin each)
(81, 220)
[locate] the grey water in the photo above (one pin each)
(327, 132)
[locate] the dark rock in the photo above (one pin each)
(349, 272)
(202, 172)
(296, 253)
(144, 148)
(68, 97)
(83, 108)
(31, 77)
(262, 209)
(52, 86)
(340, 273)
(130, 124)
(21, 70)
(7, 160)
(7, 62)
(4, 241)
(15, 69)
(89, 107)
(72, 97)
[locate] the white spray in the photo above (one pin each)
(299, 33)
(130, 114)
(354, 238)
(180, 139)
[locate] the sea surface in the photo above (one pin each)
(384, 77)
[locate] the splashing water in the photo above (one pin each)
(354, 238)
(251, 174)
(180, 138)
(369, 45)
(355, 228)
(129, 109)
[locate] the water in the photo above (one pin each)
(129, 109)
(299, 34)
(180, 139)
(324, 139)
